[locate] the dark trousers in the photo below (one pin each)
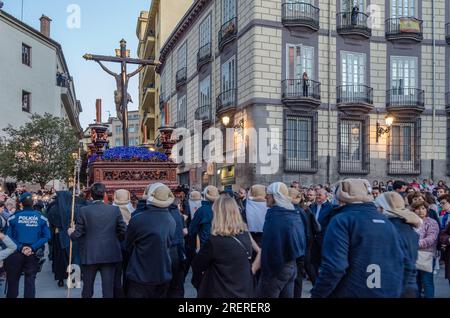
(15, 265)
(280, 286)
(425, 282)
(136, 290)
(176, 287)
(316, 255)
(107, 271)
(305, 89)
(118, 286)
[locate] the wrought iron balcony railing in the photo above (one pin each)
(300, 92)
(300, 14)
(204, 55)
(404, 28)
(354, 94)
(228, 32)
(401, 99)
(181, 77)
(353, 24)
(226, 101)
(204, 114)
(447, 32)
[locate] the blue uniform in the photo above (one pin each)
(28, 228)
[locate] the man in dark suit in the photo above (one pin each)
(323, 211)
(99, 230)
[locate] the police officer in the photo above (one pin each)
(29, 231)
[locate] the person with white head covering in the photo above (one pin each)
(148, 241)
(359, 242)
(122, 199)
(195, 202)
(255, 211)
(405, 221)
(283, 242)
(201, 223)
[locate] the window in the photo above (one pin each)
(205, 32)
(163, 86)
(182, 56)
(347, 5)
(300, 145)
(228, 82)
(182, 110)
(228, 75)
(403, 75)
(132, 129)
(404, 148)
(228, 10)
(26, 54)
(118, 142)
(26, 101)
(300, 59)
(205, 92)
(403, 8)
(353, 68)
(118, 129)
(134, 142)
(353, 145)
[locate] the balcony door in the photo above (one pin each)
(353, 68)
(403, 75)
(228, 80)
(298, 8)
(300, 59)
(403, 8)
(228, 10)
(347, 5)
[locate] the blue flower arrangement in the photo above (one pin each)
(133, 154)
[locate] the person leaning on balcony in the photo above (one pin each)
(305, 79)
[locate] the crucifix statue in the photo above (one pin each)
(121, 96)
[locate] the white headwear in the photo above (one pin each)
(280, 193)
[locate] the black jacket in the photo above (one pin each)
(99, 230)
(148, 240)
(226, 266)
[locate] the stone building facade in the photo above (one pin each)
(327, 74)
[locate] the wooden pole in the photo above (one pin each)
(72, 223)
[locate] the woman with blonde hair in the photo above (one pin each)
(224, 260)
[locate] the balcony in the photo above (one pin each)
(226, 102)
(300, 14)
(405, 100)
(356, 99)
(148, 100)
(298, 93)
(149, 45)
(447, 102)
(181, 77)
(204, 114)
(404, 28)
(353, 24)
(204, 55)
(181, 124)
(447, 32)
(227, 33)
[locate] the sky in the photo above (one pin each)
(102, 24)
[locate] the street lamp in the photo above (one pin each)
(226, 120)
(381, 131)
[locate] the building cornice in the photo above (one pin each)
(185, 23)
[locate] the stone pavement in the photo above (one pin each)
(46, 286)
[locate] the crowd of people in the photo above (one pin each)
(352, 239)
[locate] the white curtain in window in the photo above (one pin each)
(347, 5)
(182, 56)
